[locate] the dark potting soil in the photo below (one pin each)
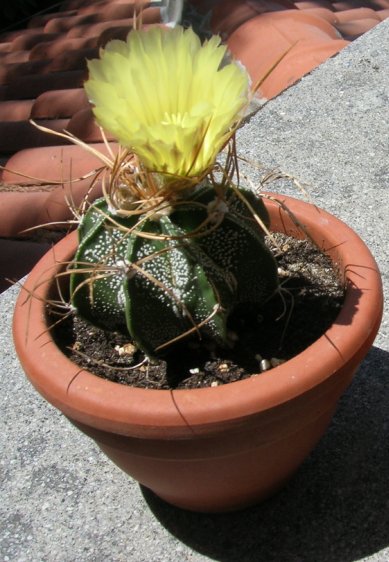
(309, 302)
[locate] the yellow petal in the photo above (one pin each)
(168, 98)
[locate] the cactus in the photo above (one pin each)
(161, 276)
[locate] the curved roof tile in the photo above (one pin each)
(43, 67)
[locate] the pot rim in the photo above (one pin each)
(150, 413)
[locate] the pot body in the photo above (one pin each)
(222, 448)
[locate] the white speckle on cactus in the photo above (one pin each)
(163, 285)
(122, 265)
(112, 210)
(225, 245)
(171, 269)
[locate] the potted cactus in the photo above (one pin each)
(174, 248)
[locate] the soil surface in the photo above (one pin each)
(309, 301)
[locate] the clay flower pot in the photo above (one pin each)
(221, 448)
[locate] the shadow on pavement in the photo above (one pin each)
(336, 508)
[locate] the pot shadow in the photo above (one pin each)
(335, 509)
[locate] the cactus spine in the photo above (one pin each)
(163, 276)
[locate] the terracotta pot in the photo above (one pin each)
(222, 448)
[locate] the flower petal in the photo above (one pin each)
(168, 98)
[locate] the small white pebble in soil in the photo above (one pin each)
(214, 383)
(275, 362)
(127, 349)
(282, 273)
(265, 365)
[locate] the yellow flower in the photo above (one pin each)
(168, 98)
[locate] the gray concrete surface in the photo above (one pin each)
(62, 501)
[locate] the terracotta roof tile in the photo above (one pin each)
(15, 110)
(115, 11)
(72, 59)
(272, 34)
(9, 36)
(19, 211)
(28, 40)
(12, 71)
(118, 32)
(350, 4)
(17, 259)
(64, 24)
(22, 210)
(262, 6)
(323, 13)
(356, 14)
(92, 7)
(261, 41)
(51, 164)
(94, 29)
(31, 86)
(48, 47)
(230, 14)
(54, 48)
(5, 48)
(14, 56)
(353, 29)
(302, 5)
(383, 14)
(59, 104)
(83, 126)
(121, 33)
(16, 135)
(43, 67)
(41, 19)
(77, 4)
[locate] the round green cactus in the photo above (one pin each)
(162, 276)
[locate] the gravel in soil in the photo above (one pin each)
(309, 301)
